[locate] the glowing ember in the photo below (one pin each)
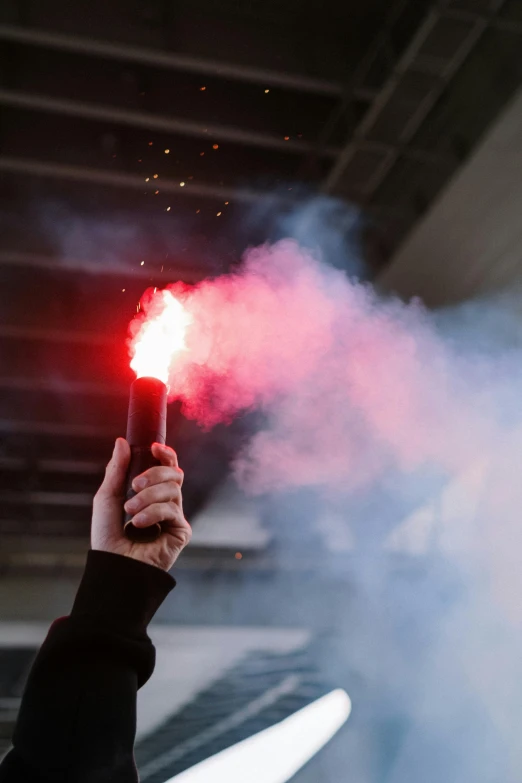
(159, 337)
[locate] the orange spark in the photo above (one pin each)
(215, 146)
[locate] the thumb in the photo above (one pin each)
(113, 484)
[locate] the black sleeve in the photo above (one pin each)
(77, 720)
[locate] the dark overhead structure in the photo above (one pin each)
(136, 137)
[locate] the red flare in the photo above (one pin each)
(158, 337)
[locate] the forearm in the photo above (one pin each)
(78, 716)
(77, 720)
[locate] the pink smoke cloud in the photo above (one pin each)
(351, 384)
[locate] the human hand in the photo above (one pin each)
(158, 499)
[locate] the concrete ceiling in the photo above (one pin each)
(379, 104)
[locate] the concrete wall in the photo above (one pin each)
(470, 242)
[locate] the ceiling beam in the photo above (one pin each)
(491, 19)
(155, 122)
(77, 499)
(82, 467)
(63, 386)
(413, 153)
(58, 429)
(171, 61)
(8, 332)
(60, 171)
(189, 274)
(86, 175)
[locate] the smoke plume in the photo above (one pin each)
(352, 385)
(403, 431)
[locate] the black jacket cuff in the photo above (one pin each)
(121, 592)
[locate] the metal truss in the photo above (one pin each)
(412, 61)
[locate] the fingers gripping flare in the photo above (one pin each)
(154, 496)
(158, 490)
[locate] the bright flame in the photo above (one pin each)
(160, 336)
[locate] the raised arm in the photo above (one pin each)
(77, 720)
